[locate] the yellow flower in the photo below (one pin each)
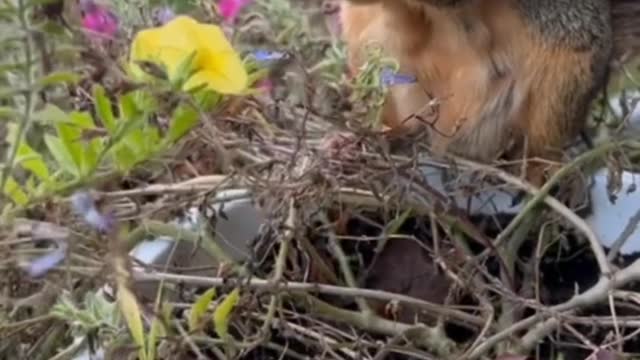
(216, 63)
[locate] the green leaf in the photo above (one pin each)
(51, 114)
(123, 157)
(128, 107)
(184, 70)
(90, 155)
(133, 316)
(135, 140)
(103, 109)
(8, 113)
(184, 119)
(207, 99)
(166, 314)
(13, 190)
(60, 77)
(31, 160)
(199, 308)
(157, 330)
(69, 128)
(72, 134)
(223, 312)
(62, 156)
(26, 157)
(152, 140)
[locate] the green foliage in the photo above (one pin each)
(95, 316)
(222, 318)
(199, 308)
(222, 314)
(75, 148)
(80, 145)
(367, 86)
(133, 315)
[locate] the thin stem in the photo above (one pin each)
(29, 95)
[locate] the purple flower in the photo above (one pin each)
(43, 264)
(84, 206)
(97, 19)
(389, 77)
(267, 55)
(163, 15)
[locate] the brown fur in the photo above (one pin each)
(499, 79)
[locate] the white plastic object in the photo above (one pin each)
(608, 220)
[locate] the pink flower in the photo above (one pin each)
(98, 20)
(265, 85)
(229, 9)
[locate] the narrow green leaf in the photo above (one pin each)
(26, 157)
(60, 77)
(90, 155)
(135, 139)
(9, 113)
(123, 158)
(128, 107)
(157, 330)
(152, 141)
(71, 133)
(62, 156)
(31, 160)
(166, 314)
(13, 190)
(103, 109)
(200, 307)
(223, 312)
(133, 316)
(51, 114)
(184, 70)
(184, 119)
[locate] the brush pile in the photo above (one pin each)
(363, 253)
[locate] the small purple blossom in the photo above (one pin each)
(268, 55)
(389, 77)
(45, 263)
(84, 205)
(163, 15)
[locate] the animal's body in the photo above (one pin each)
(500, 71)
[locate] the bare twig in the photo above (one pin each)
(542, 323)
(298, 287)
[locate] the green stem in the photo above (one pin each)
(29, 95)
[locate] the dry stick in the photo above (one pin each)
(542, 324)
(344, 264)
(299, 287)
(280, 265)
(614, 316)
(431, 338)
(200, 183)
(541, 195)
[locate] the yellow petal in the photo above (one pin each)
(216, 62)
(222, 63)
(153, 45)
(222, 72)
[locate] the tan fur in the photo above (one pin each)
(496, 81)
